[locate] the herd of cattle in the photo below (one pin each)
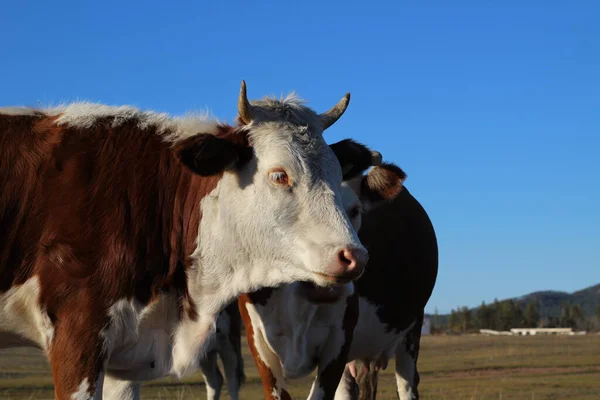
(135, 245)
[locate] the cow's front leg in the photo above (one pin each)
(269, 368)
(329, 379)
(212, 376)
(347, 389)
(267, 363)
(233, 364)
(407, 355)
(333, 360)
(77, 356)
(115, 389)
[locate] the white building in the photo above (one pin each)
(531, 332)
(426, 328)
(541, 331)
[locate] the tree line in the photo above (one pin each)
(507, 314)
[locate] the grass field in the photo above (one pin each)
(452, 367)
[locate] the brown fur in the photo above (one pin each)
(383, 182)
(97, 214)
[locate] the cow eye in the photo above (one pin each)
(354, 212)
(279, 177)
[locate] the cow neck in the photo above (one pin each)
(183, 235)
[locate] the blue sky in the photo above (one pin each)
(492, 108)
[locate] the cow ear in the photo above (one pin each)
(383, 182)
(354, 157)
(207, 154)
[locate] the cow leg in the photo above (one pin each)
(229, 348)
(65, 388)
(330, 373)
(78, 359)
(328, 378)
(347, 389)
(115, 389)
(267, 363)
(269, 368)
(407, 354)
(212, 375)
(233, 365)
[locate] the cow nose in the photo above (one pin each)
(352, 261)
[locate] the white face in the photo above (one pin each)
(353, 209)
(287, 208)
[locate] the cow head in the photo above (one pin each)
(277, 213)
(382, 183)
(360, 194)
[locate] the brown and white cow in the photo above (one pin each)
(298, 327)
(123, 233)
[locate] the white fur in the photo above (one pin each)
(83, 391)
(405, 374)
(191, 338)
(21, 315)
(132, 358)
(18, 111)
(86, 114)
(302, 335)
(139, 339)
(115, 389)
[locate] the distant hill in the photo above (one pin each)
(550, 302)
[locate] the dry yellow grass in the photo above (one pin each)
(452, 367)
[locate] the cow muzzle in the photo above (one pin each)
(348, 265)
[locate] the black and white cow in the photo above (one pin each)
(298, 327)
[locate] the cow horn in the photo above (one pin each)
(376, 158)
(329, 117)
(244, 107)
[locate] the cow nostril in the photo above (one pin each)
(347, 258)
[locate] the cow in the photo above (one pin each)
(124, 232)
(298, 327)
